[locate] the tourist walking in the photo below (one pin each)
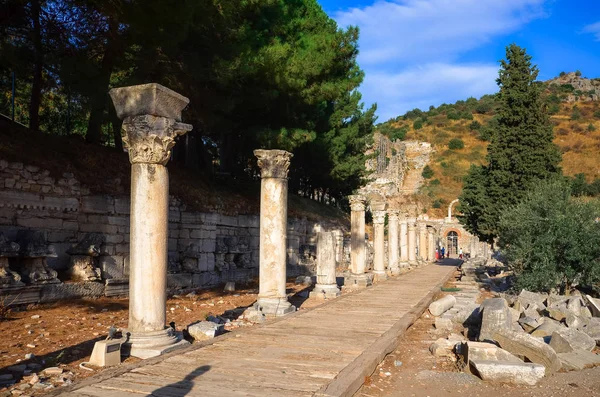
(443, 252)
(460, 253)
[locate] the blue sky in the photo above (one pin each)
(417, 53)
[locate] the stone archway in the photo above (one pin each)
(451, 243)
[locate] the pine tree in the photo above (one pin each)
(520, 153)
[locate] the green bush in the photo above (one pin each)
(578, 73)
(456, 144)
(475, 125)
(427, 172)
(554, 108)
(418, 124)
(437, 204)
(562, 74)
(597, 114)
(591, 127)
(435, 182)
(576, 113)
(550, 239)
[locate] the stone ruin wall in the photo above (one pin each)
(205, 249)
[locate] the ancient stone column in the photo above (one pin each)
(423, 242)
(274, 165)
(379, 240)
(326, 286)
(393, 247)
(358, 277)
(430, 245)
(412, 243)
(404, 242)
(151, 117)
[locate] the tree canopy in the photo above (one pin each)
(271, 74)
(520, 153)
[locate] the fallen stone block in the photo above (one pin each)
(586, 312)
(540, 307)
(578, 360)
(547, 328)
(558, 313)
(443, 323)
(554, 299)
(514, 314)
(528, 297)
(468, 315)
(531, 313)
(484, 351)
(575, 305)
(577, 322)
(592, 329)
(438, 307)
(509, 372)
(442, 348)
(593, 305)
(522, 344)
(494, 315)
(567, 340)
(204, 330)
(529, 324)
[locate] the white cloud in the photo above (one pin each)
(594, 29)
(433, 30)
(411, 50)
(431, 84)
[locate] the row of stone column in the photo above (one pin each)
(402, 242)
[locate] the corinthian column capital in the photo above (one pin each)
(273, 163)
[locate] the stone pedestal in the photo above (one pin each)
(8, 278)
(379, 242)
(423, 246)
(33, 251)
(393, 244)
(404, 243)
(274, 164)
(83, 258)
(151, 115)
(326, 287)
(412, 244)
(358, 277)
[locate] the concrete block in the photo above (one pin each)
(438, 307)
(494, 315)
(522, 344)
(509, 372)
(567, 340)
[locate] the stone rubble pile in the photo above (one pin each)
(515, 338)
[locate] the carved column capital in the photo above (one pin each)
(149, 139)
(393, 215)
(379, 217)
(357, 202)
(273, 163)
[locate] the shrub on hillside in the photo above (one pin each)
(427, 172)
(456, 144)
(418, 124)
(578, 73)
(475, 125)
(554, 108)
(597, 114)
(591, 127)
(576, 113)
(550, 239)
(562, 74)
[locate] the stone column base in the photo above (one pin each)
(358, 281)
(274, 306)
(151, 344)
(325, 291)
(394, 271)
(379, 275)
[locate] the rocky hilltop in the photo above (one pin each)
(584, 89)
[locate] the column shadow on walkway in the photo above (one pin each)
(183, 387)
(449, 262)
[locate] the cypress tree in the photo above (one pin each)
(521, 151)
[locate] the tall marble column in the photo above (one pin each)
(430, 245)
(393, 243)
(358, 277)
(404, 242)
(379, 240)
(274, 165)
(326, 286)
(151, 117)
(423, 242)
(412, 243)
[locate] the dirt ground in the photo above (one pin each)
(412, 371)
(63, 333)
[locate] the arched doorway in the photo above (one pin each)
(451, 243)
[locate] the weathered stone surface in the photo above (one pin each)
(578, 359)
(495, 315)
(529, 324)
(509, 372)
(532, 313)
(522, 344)
(442, 348)
(484, 351)
(558, 313)
(204, 330)
(443, 323)
(148, 99)
(567, 340)
(438, 307)
(527, 297)
(547, 328)
(593, 305)
(468, 315)
(577, 322)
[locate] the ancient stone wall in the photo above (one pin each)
(204, 248)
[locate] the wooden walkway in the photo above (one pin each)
(325, 351)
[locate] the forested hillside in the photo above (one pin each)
(259, 74)
(460, 134)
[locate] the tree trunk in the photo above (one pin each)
(99, 99)
(36, 86)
